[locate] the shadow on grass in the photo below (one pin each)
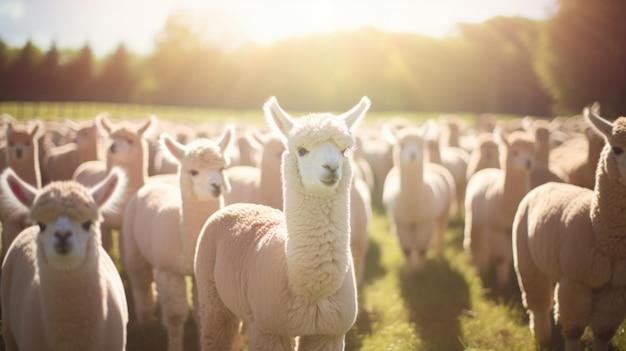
(436, 298)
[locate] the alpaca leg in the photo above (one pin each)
(503, 257)
(574, 311)
(537, 291)
(141, 276)
(440, 229)
(258, 341)
(477, 249)
(174, 308)
(321, 343)
(219, 327)
(608, 313)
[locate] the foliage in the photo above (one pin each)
(580, 56)
(484, 68)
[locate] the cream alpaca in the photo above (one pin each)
(484, 155)
(286, 274)
(573, 236)
(259, 185)
(60, 289)
(22, 156)
(128, 149)
(491, 201)
(60, 162)
(409, 185)
(162, 224)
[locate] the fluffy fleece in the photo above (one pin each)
(60, 289)
(286, 274)
(161, 227)
(60, 162)
(259, 185)
(541, 172)
(128, 150)
(411, 184)
(484, 155)
(573, 238)
(491, 200)
(22, 156)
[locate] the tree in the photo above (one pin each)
(20, 73)
(115, 81)
(46, 76)
(77, 76)
(581, 54)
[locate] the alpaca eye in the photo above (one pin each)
(617, 150)
(193, 172)
(344, 151)
(42, 226)
(86, 225)
(302, 151)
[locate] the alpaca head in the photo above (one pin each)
(21, 143)
(317, 144)
(488, 150)
(409, 143)
(127, 141)
(202, 164)
(67, 213)
(614, 133)
(517, 151)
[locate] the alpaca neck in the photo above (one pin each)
(318, 235)
(71, 298)
(136, 172)
(607, 210)
(28, 168)
(516, 185)
(411, 184)
(542, 155)
(194, 214)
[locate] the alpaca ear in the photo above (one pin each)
(108, 193)
(389, 134)
(34, 130)
(173, 149)
(430, 129)
(21, 191)
(227, 138)
(598, 123)
(278, 119)
(355, 114)
(147, 128)
(104, 123)
(500, 136)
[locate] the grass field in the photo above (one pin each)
(444, 308)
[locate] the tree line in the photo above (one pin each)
(503, 65)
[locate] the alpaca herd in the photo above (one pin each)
(261, 234)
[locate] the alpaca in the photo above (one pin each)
(409, 185)
(22, 156)
(310, 294)
(571, 237)
(259, 185)
(360, 219)
(491, 201)
(128, 150)
(59, 163)
(484, 155)
(162, 224)
(541, 172)
(60, 290)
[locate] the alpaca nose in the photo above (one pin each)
(112, 148)
(18, 153)
(62, 245)
(216, 189)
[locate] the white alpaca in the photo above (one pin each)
(22, 156)
(542, 171)
(490, 203)
(573, 238)
(161, 226)
(128, 149)
(484, 155)
(286, 274)
(417, 196)
(60, 289)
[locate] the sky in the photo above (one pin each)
(104, 24)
